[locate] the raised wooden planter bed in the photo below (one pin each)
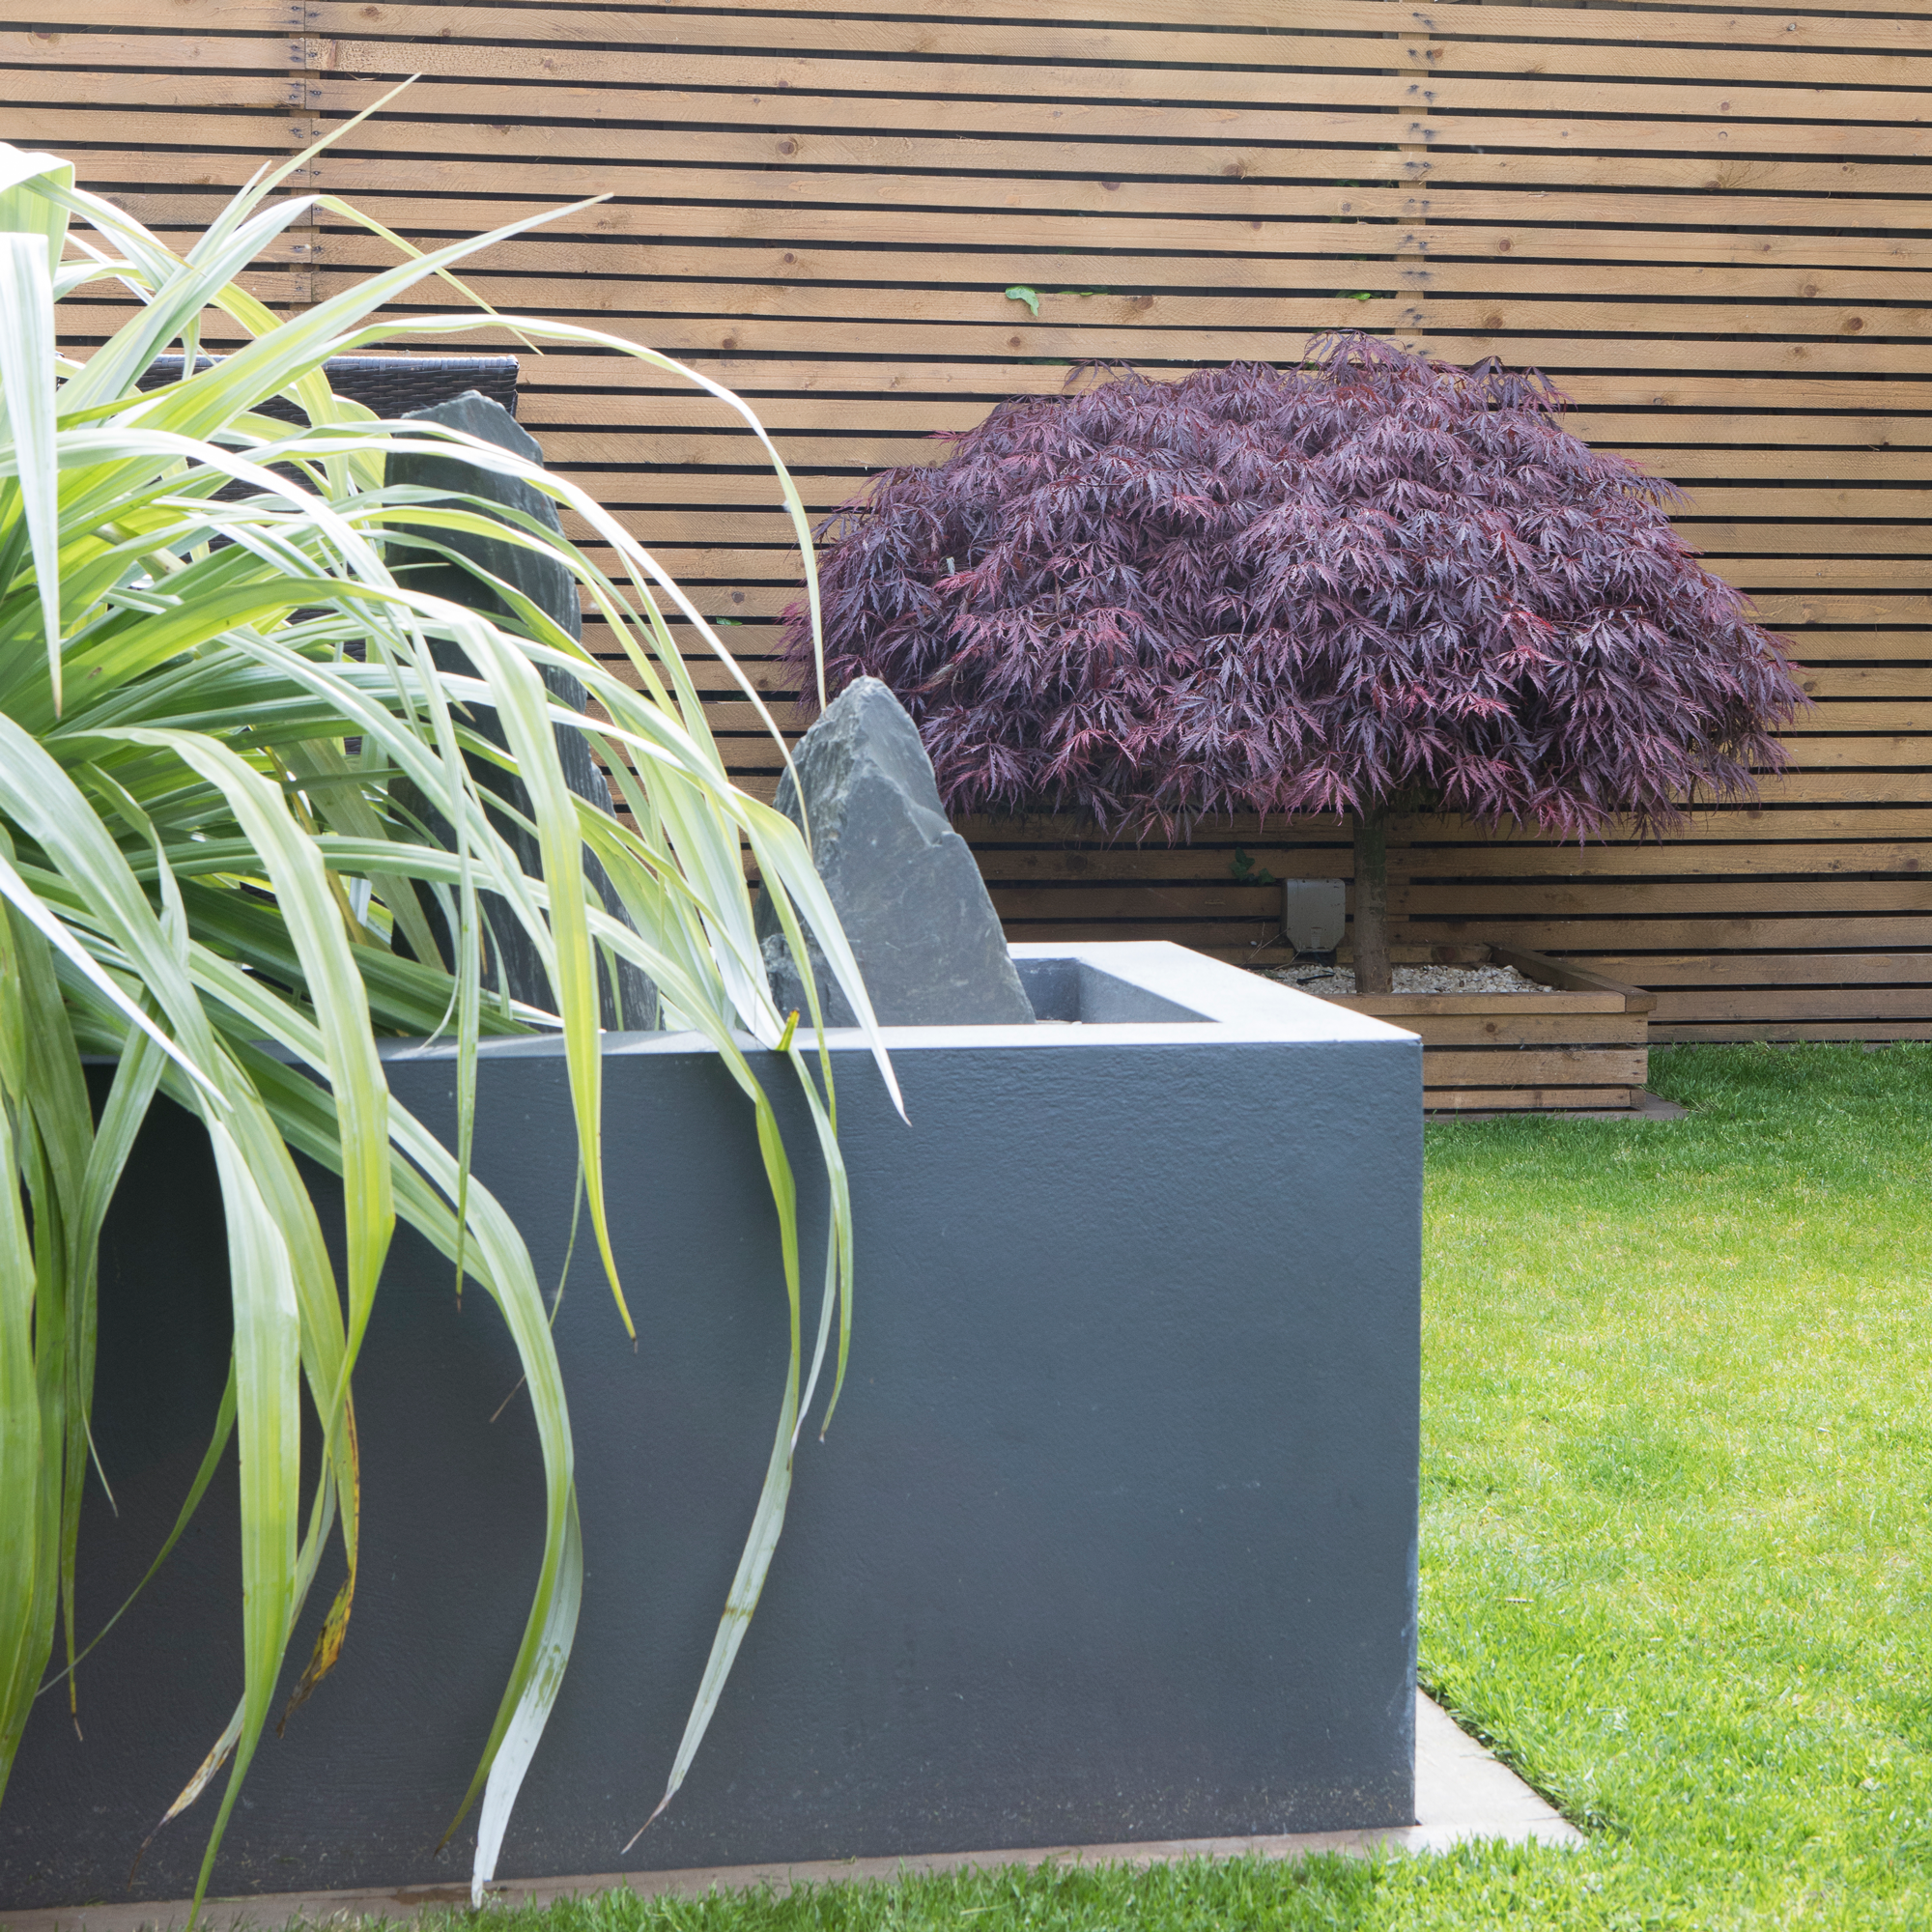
(1584, 1044)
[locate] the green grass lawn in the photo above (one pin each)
(1677, 1459)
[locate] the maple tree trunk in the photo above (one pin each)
(1372, 973)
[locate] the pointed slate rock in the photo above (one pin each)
(911, 899)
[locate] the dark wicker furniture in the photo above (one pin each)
(392, 386)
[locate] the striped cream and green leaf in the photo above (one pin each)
(210, 713)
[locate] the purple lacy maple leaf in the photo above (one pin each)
(1376, 576)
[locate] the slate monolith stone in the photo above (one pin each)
(911, 899)
(633, 1004)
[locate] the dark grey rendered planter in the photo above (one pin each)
(1114, 1536)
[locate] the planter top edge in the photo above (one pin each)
(1232, 1007)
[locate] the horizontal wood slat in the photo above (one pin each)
(1039, 67)
(1702, 28)
(1085, 46)
(1537, 1029)
(1708, 27)
(1398, 110)
(1711, 226)
(1531, 1065)
(1768, 973)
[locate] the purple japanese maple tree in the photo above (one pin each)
(1375, 580)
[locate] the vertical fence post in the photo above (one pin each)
(1414, 167)
(305, 63)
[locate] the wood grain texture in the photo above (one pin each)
(1870, 1031)
(536, 37)
(1532, 1065)
(1449, 1022)
(1441, 1103)
(1842, 28)
(1710, 27)
(1712, 227)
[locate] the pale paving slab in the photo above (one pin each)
(1462, 1793)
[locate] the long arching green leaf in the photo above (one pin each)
(27, 1542)
(267, 1429)
(27, 392)
(224, 740)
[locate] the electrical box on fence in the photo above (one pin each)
(1314, 914)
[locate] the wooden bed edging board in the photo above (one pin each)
(1585, 1043)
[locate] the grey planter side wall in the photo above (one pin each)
(1113, 1538)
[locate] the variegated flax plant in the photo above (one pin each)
(208, 706)
(1370, 581)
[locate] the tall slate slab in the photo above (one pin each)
(550, 586)
(907, 891)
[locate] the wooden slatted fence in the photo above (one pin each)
(1710, 226)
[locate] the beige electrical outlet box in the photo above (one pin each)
(1313, 913)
